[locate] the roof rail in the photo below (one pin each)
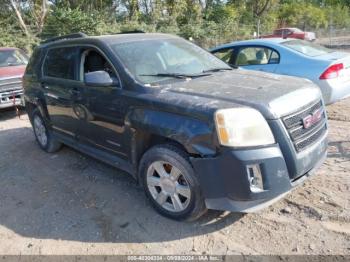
(132, 32)
(70, 36)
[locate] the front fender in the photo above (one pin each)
(195, 135)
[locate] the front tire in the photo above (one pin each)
(170, 183)
(43, 135)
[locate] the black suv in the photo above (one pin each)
(194, 132)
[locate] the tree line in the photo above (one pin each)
(24, 23)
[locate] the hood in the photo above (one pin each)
(273, 95)
(12, 71)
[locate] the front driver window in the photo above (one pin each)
(287, 32)
(257, 56)
(278, 32)
(93, 61)
(224, 54)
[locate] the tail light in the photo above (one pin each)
(332, 72)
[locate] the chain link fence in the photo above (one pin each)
(329, 37)
(334, 38)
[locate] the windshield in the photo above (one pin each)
(296, 30)
(152, 61)
(307, 48)
(12, 58)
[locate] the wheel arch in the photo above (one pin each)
(38, 104)
(150, 128)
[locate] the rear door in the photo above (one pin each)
(259, 58)
(60, 88)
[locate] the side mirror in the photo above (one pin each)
(98, 78)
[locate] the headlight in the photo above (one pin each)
(242, 127)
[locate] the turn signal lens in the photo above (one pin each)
(224, 136)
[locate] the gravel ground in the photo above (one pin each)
(68, 203)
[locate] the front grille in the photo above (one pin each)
(303, 137)
(10, 84)
(13, 96)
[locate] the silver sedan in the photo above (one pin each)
(328, 69)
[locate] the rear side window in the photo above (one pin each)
(60, 63)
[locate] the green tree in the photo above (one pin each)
(24, 23)
(302, 15)
(65, 20)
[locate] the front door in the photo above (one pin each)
(60, 85)
(102, 109)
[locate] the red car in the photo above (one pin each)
(13, 62)
(292, 33)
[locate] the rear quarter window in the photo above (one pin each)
(60, 63)
(34, 61)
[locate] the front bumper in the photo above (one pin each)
(11, 98)
(225, 184)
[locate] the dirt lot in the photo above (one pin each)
(67, 203)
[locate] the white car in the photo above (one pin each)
(327, 68)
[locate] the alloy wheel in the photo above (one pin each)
(168, 186)
(40, 131)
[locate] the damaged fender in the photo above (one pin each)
(194, 134)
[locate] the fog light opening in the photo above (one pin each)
(255, 178)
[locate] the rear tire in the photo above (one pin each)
(170, 183)
(43, 134)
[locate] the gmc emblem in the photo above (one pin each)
(312, 119)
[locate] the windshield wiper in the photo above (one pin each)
(177, 75)
(217, 69)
